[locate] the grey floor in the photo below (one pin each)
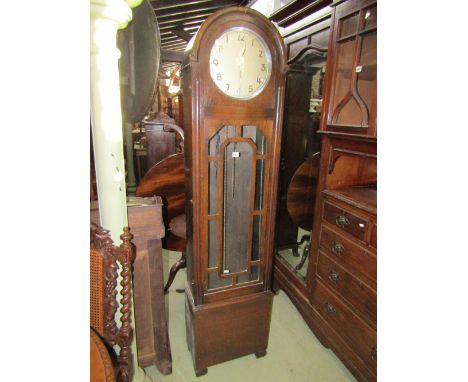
(294, 353)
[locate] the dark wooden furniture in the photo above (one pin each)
(340, 300)
(167, 179)
(297, 10)
(105, 259)
(145, 220)
(307, 46)
(161, 137)
(300, 155)
(231, 166)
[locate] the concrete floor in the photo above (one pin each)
(294, 353)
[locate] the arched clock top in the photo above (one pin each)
(236, 16)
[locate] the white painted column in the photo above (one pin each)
(107, 16)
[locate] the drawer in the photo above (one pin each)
(361, 338)
(358, 261)
(345, 220)
(353, 290)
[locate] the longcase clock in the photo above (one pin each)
(233, 82)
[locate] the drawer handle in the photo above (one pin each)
(329, 308)
(337, 248)
(374, 354)
(341, 221)
(333, 276)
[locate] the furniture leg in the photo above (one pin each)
(181, 263)
(201, 372)
(260, 354)
(305, 254)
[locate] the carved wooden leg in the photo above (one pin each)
(305, 254)
(201, 372)
(295, 249)
(181, 263)
(260, 354)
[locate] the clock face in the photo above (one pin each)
(240, 63)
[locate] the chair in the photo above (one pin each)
(105, 259)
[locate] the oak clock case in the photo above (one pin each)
(232, 148)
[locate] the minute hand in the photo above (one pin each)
(241, 62)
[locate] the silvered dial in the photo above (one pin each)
(240, 63)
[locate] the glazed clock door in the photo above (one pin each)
(237, 173)
(353, 96)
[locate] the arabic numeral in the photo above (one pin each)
(240, 37)
(215, 62)
(260, 53)
(263, 68)
(259, 80)
(227, 87)
(250, 88)
(218, 77)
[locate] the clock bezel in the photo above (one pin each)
(268, 59)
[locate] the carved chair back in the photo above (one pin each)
(106, 258)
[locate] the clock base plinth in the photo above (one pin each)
(201, 372)
(225, 330)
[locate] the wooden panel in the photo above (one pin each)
(353, 290)
(295, 47)
(361, 337)
(297, 10)
(216, 334)
(153, 339)
(349, 255)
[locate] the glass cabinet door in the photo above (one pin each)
(300, 157)
(353, 97)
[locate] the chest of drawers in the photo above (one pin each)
(345, 293)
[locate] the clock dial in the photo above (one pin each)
(240, 63)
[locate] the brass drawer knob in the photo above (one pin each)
(333, 276)
(341, 221)
(329, 308)
(374, 354)
(337, 248)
